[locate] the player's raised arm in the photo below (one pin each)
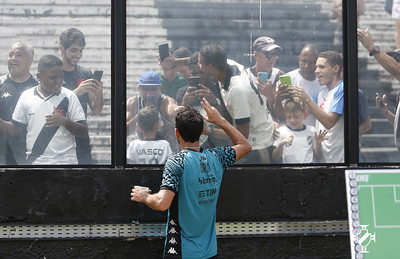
(240, 143)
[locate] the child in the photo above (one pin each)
(297, 142)
(149, 150)
(52, 116)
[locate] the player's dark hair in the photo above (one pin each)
(47, 62)
(147, 118)
(334, 58)
(71, 36)
(215, 55)
(189, 124)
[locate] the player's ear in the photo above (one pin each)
(177, 133)
(138, 127)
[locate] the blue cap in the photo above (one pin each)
(149, 78)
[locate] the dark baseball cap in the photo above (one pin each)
(265, 44)
(149, 78)
(395, 54)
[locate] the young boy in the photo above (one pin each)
(297, 142)
(149, 150)
(52, 116)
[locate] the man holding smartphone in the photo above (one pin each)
(171, 80)
(390, 61)
(242, 100)
(327, 107)
(150, 95)
(266, 52)
(80, 80)
(305, 77)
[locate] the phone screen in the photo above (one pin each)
(163, 50)
(285, 80)
(194, 81)
(97, 75)
(263, 76)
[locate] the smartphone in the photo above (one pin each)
(263, 76)
(380, 99)
(194, 81)
(163, 50)
(151, 100)
(97, 75)
(285, 80)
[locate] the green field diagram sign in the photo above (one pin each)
(373, 205)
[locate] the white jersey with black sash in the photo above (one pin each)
(30, 112)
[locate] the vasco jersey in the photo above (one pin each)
(195, 177)
(31, 110)
(302, 148)
(244, 103)
(148, 151)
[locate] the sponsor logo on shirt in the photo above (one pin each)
(62, 112)
(5, 95)
(80, 80)
(172, 251)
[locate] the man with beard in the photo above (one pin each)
(80, 80)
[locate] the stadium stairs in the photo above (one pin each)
(232, 24)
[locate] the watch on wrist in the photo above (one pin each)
(374, 50)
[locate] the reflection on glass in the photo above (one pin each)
(257, 36)
(60, 33)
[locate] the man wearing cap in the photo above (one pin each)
(266, 52)
(150, 94)
(390, 62)
(243, 101)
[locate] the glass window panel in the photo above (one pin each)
(377, 145)
(40, 26)
(235, 26)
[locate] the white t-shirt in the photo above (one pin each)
(302, 148)
(312, 88)
(245, 104)
(274, 73)
(332, 101)
(31, 110)
(148, 151)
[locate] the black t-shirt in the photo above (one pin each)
(73, 78)
(12, 148)
(10, 92)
